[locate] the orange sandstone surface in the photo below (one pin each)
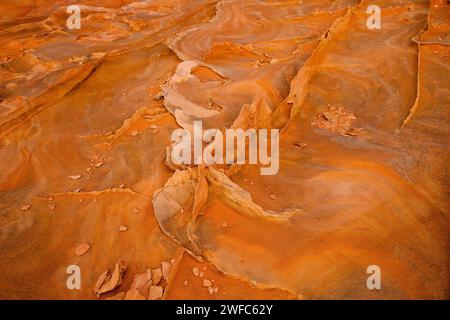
(86, 117)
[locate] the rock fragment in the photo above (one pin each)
(300, 144)
(337, 120)
(207, 283)
(82, 249)
(355, 131)
(98, 164)
(105, 276)
(156, 276)
(98, 55)
(141, 280)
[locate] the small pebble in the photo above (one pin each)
(98, 164)
(207, 283)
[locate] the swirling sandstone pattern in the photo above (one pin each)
(86, 118)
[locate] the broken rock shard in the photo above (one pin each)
(109, 281)
(82, 249)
